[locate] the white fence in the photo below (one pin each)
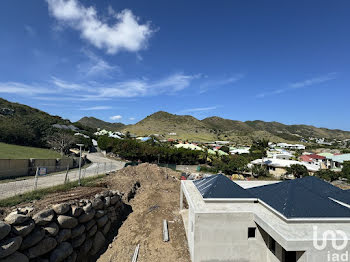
(21, 185)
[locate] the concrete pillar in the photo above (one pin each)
(181, 197)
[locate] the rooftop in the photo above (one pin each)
(219, 186)
(307, 197)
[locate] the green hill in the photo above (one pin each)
(216, 128)
(95, 123)
(28, 126)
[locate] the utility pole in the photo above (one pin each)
(80, 146)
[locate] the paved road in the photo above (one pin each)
(100, 165)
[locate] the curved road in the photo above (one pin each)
(100, 165)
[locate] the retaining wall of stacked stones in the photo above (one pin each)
(71, 231)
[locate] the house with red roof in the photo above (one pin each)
(314, 159)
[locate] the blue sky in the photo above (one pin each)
(285, 61)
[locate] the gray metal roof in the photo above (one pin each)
(307, 197)
(219, 186)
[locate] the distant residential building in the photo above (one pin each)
(239, 151)
(336, 161)
(278, 167)
(315, 159)
(189, 146)
(222, 142)
(172, 134)
(291, 146)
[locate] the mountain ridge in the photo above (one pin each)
(217, 128)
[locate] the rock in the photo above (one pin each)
(98, 196)
(106, 228)
(107, 201)
(88, 207)
(97, 203)
(72, 257)
(63, 235)
(61, 208)
(61, 252)
(89, 224)
(99, 213)
(4, 229)
(15, 257)
(102, 221)
(9, 246)
(92, 231)
(26, 210)
(106, 193)
(77, 231)
(44, 217)
(52, 229)
(85, 248)
(24, 229)
(76, 211)
(87, 216)
(98, 242)
(78, 241)
(14, 218)
(43, 247)
(114, 200)
(33, 238)
(67, 221)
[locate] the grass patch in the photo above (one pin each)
(8, 151)
(40, 193)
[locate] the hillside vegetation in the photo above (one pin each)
(8, 151)
(216, 128)
(28, 126)
(97, 123)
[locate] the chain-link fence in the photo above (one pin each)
(43, 177)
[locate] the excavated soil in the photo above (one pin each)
(153, 194)
(156, 199)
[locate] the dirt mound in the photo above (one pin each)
(156, 199)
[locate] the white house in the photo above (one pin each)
(283, 221)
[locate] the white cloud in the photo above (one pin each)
(65, 85)
(96, 66)
(117, 117)
(131, 118)
(144, 87)
(97, 108)
(23, 89)
(126, 33)
(198, 109)
(204, 87)
(97, 91)
(301, 84)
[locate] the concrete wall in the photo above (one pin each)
(13, 167)
(224, 237)
(50, 164)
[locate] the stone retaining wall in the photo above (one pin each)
(72, 231)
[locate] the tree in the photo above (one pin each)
(297, 170)
(327, 174)
(345, 173)
(226, 149)
(259, 148)
(60, 142)
(260, 171)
